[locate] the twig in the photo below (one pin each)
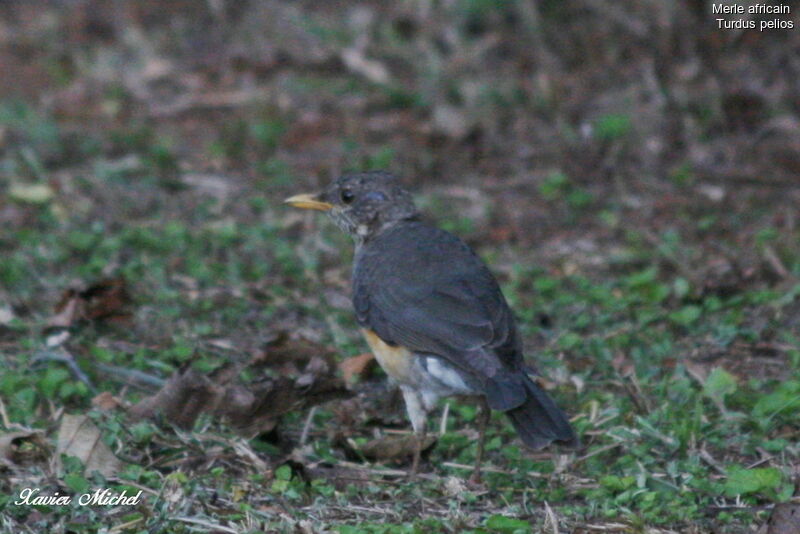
(759, 462)
(207, 524)
(131, 376)
(386, 472)
(601, 450)
(732, 176)
(766, 346)
(551, 518)
(307, 425)
(211, 101)
(634, 391)
(397, 431)
(610, 527)
(472, 468)
(707, 458)
(775, 262)
(67, 359)
(378, 480)
(126, 526)
(382, 512)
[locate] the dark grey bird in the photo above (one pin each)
(433, 314)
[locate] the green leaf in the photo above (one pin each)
(744, 481)
(785, 399)
(544, 284)
(507, 524)
(681, 287)
(280, 486)
(785, 492)
(554, 185)
(612, 126)
(142, 431)
(642, 278)
(284, 472)
(719, 384)
(616, 483)
(31, 193)
(686, 315)
(76, 483)
(569, 340)
(52, 379)
(579, 198)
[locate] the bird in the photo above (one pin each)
(433, 314)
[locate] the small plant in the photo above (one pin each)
(612, 127)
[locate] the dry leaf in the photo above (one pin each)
(377, 403)
(288, 357)
(11, 446)
(623, 365)
(394, 447)
(357, 366)
(276, 398)
(173, 492)
(451, 121)
(106, 401)
(455, 487)
(67, 310)
(6, 315)
(106, 300)
(697, 370)
(305, 377)
(250, 408)
(78, 436)
(785, 519)
(246, 453)
(340, 476)
(373, 70)
(183, 398)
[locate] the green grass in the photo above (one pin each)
(662, 321)
(625, 339)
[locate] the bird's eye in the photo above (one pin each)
(347, 196)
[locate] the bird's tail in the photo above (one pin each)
(539, 422)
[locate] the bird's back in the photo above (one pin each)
(423, 288)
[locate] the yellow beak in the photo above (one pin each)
(308, 202)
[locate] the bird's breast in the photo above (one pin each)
(430, 375)
(395, 360)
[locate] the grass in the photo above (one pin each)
(660, 306)
(669, 439)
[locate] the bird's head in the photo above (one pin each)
(362, 204)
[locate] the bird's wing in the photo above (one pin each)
(431, 294)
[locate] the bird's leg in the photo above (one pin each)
(419, 442)
(419, 418)
(484, 414)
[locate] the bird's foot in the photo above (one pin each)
(418, 444)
